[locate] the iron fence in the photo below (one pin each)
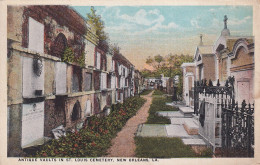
(202, 87)
(237, 129)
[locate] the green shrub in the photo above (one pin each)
(94, 139)
(68, 55)
(146, 92)
(158, 92)
(206, 153)
(158, 104)
(81, 60)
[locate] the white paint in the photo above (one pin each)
(121, 96)
(32, 122)
(60, 77)
(193, 142)
(122, 82)
(109, 62)
(120, 69)
(103, 101)
(89, 53)
(98, 60)
(36, 36)
(103, 83)
(113, 82)
(31, 81)
(88, 108)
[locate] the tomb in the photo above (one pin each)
(32, 124)
(33, 77)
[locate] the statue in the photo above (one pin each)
(225, 21)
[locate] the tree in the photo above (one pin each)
(169, 65)
(155, 62)
(98, 24)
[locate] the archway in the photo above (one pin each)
(59, 45)
(75, 115)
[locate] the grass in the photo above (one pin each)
(146, 92)
(162, 147)
(158, 92)
(158, 104)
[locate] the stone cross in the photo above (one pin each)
(201, 43)
(225, 21)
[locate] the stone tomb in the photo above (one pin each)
(88, 108)
(60, 77)
(32, 123)
(33, 77)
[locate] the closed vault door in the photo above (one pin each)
(243, 91)
(32, 123)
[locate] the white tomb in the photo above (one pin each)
(36, 36)
(88, 108)
(32, 123)
(60, 78)
(31, 81)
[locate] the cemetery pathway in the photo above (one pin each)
(123, 145)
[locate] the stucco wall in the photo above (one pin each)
(209, 67)
(49, 77)
(244, 90)
(14, 78)
(14, 23)
(242, 58)
(14, 131)
(69, 104)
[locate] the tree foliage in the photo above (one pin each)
(97, 23)
(155, 62)
(169, 66)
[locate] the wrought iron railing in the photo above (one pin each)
(202, 87)
(237, 129)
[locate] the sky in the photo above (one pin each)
(143, 31)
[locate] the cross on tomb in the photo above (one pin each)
(225, 21)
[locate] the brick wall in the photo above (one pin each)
(56, 20)
(54, 113)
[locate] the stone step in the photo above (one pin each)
(170, 114)
(176, 104)
(177, 120)
(151, 130)
(194, 142)
(176, 131)
(186, 111)
(191, 126)
(198, 145)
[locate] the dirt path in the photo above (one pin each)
(124, 145)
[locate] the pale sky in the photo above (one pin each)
(142, 31)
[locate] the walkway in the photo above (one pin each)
(124, 145)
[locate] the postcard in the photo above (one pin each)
(129, 82)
